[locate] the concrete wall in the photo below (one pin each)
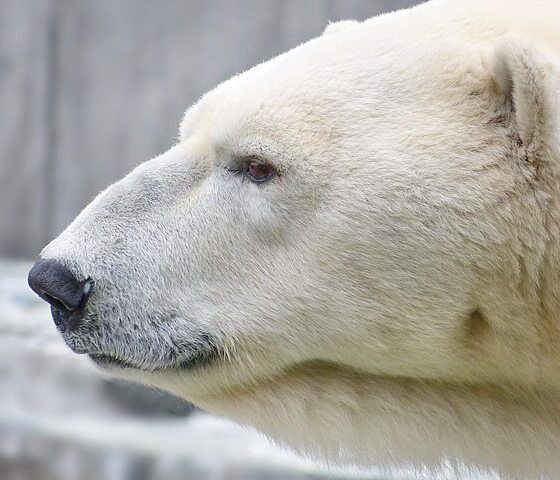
(88, 89)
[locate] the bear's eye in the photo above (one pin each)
(259, 171)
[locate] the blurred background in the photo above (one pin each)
(89, 89)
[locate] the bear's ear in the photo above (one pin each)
(527, 83)
(341, 26)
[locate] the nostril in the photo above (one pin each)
(56, 303)
(60, 304)
(58, 286)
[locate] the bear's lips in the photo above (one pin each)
(108, 361)
(196, 360)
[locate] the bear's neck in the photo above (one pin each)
(343, 416)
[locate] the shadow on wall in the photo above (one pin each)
(90, 89)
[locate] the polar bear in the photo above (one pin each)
(353, 247)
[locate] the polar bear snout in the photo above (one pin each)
(58, 286)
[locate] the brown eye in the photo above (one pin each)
(260, 172)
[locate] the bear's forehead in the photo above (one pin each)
(331, 79)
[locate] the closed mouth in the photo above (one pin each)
(108, 361)
(197, 360)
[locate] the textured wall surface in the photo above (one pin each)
(88, 89)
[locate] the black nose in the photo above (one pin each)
(57, 285)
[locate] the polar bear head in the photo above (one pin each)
(367, 210)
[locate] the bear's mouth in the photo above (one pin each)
(196, 360)
(109, 361)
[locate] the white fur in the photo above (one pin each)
(392, 297)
